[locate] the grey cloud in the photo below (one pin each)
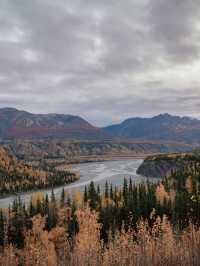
(111, 57)
(174, 26)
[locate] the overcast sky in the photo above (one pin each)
(104, 60)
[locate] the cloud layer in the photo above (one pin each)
(104, 60)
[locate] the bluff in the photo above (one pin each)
(160, 166)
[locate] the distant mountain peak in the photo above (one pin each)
(164, 115)
(170, 116)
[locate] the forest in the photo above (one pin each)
(145, 224)
(17, 176)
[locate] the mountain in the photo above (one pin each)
(23, 125)
(15, 124)
(163, 127)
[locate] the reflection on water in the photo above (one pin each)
(112, 171)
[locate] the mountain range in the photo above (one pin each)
(163, 127)
(16, 124)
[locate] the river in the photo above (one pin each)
(112, 171)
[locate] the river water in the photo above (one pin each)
(112, 171)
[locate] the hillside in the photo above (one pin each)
(17, 124)
(78, 151)
(16, 176)
(163, 127)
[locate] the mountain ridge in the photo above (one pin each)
(19, 124)
(161, 127)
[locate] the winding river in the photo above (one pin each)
(112, 171)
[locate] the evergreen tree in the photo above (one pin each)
(85, 196)
(68, 200)
(98, 190)
(106, 190)
(2, 228)
(125, 191)
(39, 207)
(73, 224)
(62, 198)
(46, 205)
(93, 197)
(53, 199)
(111, 192)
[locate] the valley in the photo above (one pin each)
(60, 176)
(99, 172)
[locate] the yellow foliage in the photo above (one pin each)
(9, 257)
(155, 246)
(78, 197)
(161, 193)
(39, 249)
(106, 201)
(36, 196)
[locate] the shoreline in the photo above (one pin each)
(32, 191)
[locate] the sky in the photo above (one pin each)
(103, 60)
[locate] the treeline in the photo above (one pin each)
(16, 182)
(132, 225)
(17, 220)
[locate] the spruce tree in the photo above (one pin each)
(85, 196)
(92, 196)
(2, 228)
(111, 192)
(106, 190)
(62, 198)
